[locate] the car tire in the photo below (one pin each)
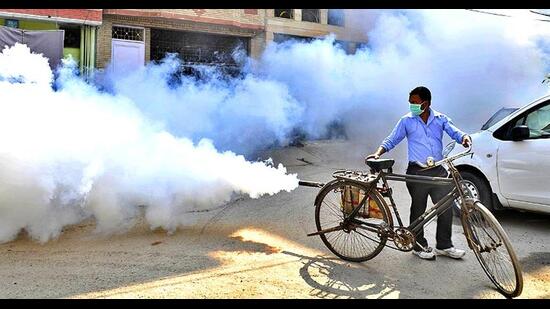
(476, 183)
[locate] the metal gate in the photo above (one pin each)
(127, 55)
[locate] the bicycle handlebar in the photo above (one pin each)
(444, 160)
(448, 159)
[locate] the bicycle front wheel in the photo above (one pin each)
(493, 249)
(358, 241)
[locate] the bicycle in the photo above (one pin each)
(354, 221)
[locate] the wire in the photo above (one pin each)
(478, 11)
(543, 14)
(504, 15)
(535, 12)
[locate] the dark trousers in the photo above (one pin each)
(419, 195)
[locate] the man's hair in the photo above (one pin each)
(423, 92)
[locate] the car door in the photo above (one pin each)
(524, 166)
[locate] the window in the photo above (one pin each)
(128, 33)
(336, 17)
(281, 38)
(12, 23)
(284, 13)
(195, 49)
(311, 15)
(72, 37)
(498, 116)
(537, 120)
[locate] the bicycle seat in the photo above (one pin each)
(380, 164)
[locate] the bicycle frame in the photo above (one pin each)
(441, 206)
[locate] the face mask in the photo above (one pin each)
(416, 109)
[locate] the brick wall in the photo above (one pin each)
(103, 47)
(80, 14)
(231, 17)
(147, 45)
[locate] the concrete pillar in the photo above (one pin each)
(323, 16)
(257, 44)
(352, 48)
(298, 14)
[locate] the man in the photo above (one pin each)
(424, 127)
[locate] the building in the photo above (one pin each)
(307, 24)
(79, 27)
(127, 38)
(133, 37)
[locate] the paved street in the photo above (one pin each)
(258, 248)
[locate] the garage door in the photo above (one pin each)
(197, 48)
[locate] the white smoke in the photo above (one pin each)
(79, 152)
(240, 114)
(76, 153)
(472, 68)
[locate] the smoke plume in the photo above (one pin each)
(76, 153)
(472, 68)
(174, 143)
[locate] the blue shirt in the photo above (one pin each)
(424, 139)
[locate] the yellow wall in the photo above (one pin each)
(75, 52)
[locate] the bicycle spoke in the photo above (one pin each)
(335, 210)
(348, 243)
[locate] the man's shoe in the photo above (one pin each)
(451, 252)
(426, 255)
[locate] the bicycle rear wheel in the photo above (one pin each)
(354, 242)
(493, 249)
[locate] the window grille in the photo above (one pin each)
(127, 33)
(284, 13)
(311, 15)
(196, 48)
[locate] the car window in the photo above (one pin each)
(498, 116)
(538, 122)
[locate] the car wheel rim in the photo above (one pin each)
(472, 192)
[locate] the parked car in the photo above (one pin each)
(510, 165)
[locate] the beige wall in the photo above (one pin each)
(353, 30)
(254, 17)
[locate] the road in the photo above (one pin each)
(258, 248)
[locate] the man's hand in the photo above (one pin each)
(375, 155)
(372, 156)
(466, 141)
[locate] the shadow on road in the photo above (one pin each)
(530, 220)
(334, 278)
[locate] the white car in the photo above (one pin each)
(510, 165)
